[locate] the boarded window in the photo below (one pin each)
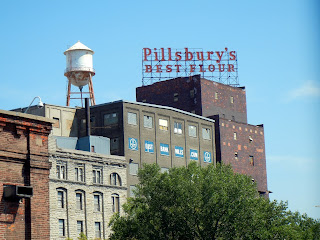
(133, 168)
(148, 121)
(132, 118)
(206, 133)
(192, 131)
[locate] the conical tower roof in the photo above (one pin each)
(78, 46)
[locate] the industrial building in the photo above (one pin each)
(95, 152)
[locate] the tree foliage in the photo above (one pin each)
(205, 203)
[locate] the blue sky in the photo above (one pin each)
(276, 43)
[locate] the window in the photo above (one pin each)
(231, 100)
(110, 118)
(164, 169)
(177, 128)
(132, 190)
(251, 160)
(61, 198)
(192, 93)
(114, 145)
(57, 123)
(206, 133)
(79, 227)
(192, 131)
(233, 118)
(235, 136)
(133, 168)
(223, 116)
(79, 173)
(176, 97)
(97, 202)
(97, 175)
(61, 170)
(79, 201)
(97, 226)
(163, 124)
(132, 118)
(148, 121)
(236, 155)
(115, 179)
(115, 202)
(216, 95)
(61, 228)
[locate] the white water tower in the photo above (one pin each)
(79, 71)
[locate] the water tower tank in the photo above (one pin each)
(79, 64)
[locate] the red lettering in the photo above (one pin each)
(230, 68)
(148, 68)
(178, 67)
(201, 68)
(211, 68)
(220, 67)
(192, 68)
(219, 56)
(200, 56)
(145, 54)
(232, 55)
(178, 56)
(169, 54)
(187, 55)
(162, 54)
(155, 55)
(158, 68)
(209, 53)
(169, 68)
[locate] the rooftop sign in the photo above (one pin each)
(165, 63)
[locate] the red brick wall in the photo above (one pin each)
(245, 148)
(24, 162)
(222, 105)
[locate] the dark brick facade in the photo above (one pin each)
(197, 95)
(24, 162)
(242, 146)
(237, 143)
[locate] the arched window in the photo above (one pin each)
(80, 195)
(61, 197)
(115, 179)
(97, 201)
(115, 203)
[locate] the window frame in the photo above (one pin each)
(162, 126)
(113, 115)
(61, 169)
(95, 178)
(97, 206)
(79, 201)
(176, 128)
(149, 118)
(62, 226)
(134, 115)
(115, 179)
(196, 133)
(79, 172)
(208, 133)
(115, 199)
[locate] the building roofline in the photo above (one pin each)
(157, 106)
(27, 116)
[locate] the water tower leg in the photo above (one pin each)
(93, 101)
(68, 93)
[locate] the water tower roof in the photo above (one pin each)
(78, 46)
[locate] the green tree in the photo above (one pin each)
(205, 203)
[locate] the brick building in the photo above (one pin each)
(24, 165)
(237, 142)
